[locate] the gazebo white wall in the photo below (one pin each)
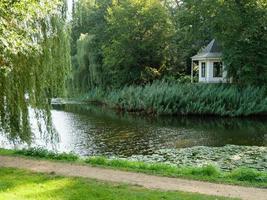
(209, 55)
(209, 78)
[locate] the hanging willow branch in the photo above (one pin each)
(34, 62)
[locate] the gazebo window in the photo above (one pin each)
(217, 69)
(203, 69)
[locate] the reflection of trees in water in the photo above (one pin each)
(110, 134)
(245, 131)
(124, 133)
(204, 122)
(40, 129)
(98, 130)
(251, 125)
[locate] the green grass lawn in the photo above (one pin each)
(24, 185)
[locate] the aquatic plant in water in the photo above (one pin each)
(226, 158)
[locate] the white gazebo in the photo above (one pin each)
(210, 66)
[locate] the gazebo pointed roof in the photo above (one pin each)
(213, 50)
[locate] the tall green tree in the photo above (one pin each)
(34, 61)
(18, 25)
(139, 34)
(241, 27)
(88, 36)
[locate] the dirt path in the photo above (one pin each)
(147, 181)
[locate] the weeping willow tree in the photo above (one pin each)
(34, 62)
(117, 43)
(88, 36)
(88, 73)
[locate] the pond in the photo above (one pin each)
(92, 130)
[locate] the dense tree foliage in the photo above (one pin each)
(88, 36)
(136, 41)
(241, 28)
(34, 60)
(18, 25)
(138, 34)
(118, 43)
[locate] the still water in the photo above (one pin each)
(91, 130)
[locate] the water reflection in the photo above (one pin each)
(40, 135)
(90, 130)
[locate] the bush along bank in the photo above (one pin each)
(207, 172)
(167, 98)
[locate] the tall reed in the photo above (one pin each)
(166, 98)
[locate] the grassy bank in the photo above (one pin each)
(21, 185)
(241, 176)
(165, 98)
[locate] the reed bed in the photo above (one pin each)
(166, 98)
